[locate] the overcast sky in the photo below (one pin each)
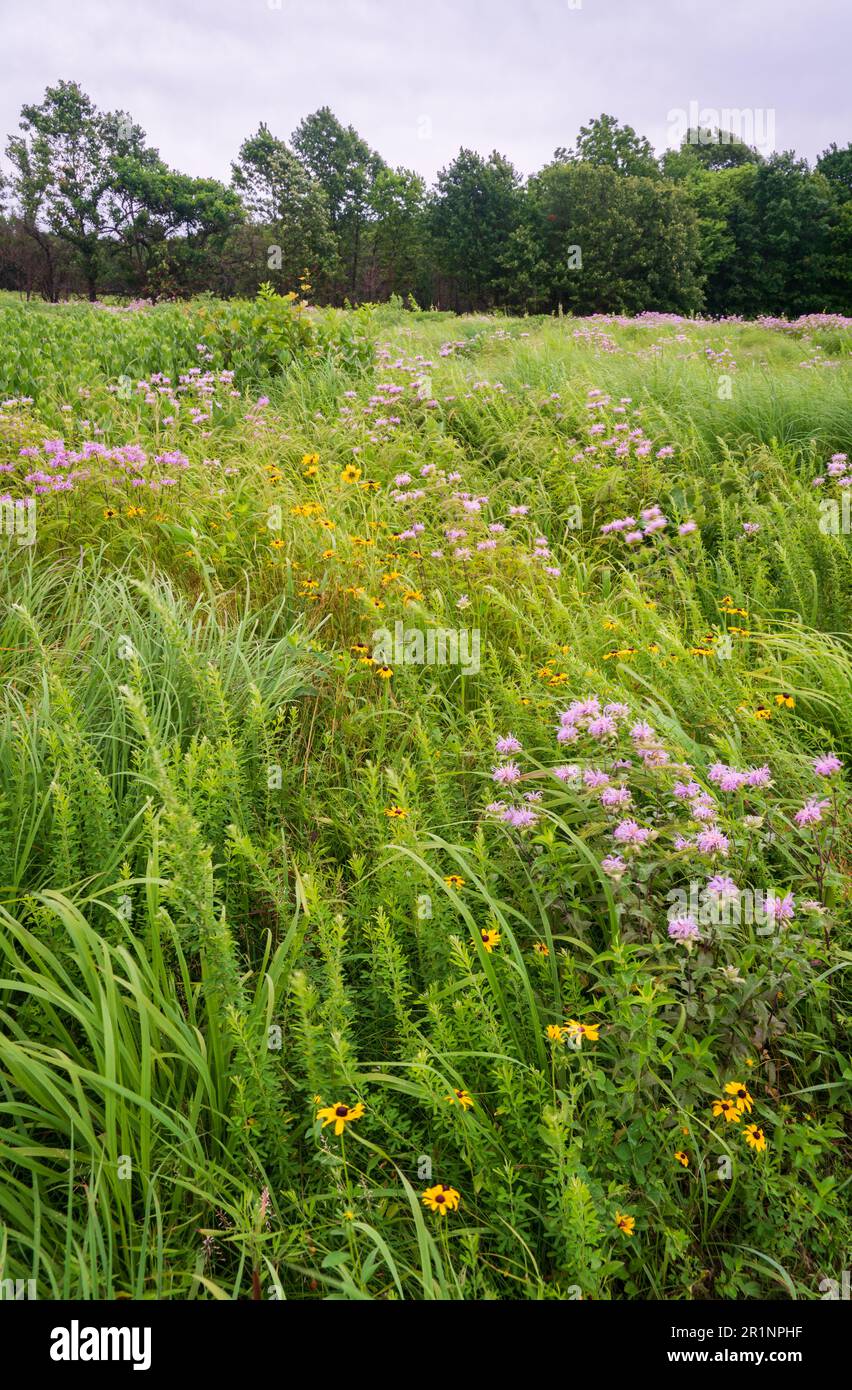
(419, 78)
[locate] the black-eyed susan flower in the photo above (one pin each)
(682, 1158)
(310, 460)
(384, 673)
(412, 596)
(755, 1137)
(454, 880)
(277, 544)
(577, 1032)
(728, 1109)
(463, 1099)
(340, 1115)
(109, 513)
(350, 474)
(490, 938)
(396, 812)
(785, 701)
(555, 1033)
(625, 1224)
(762, 713)
(740, 1095)
(541, 948)
(360, 649)
(441, 1198)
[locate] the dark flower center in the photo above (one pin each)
(342, 1111)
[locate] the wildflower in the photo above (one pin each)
(741, 1096)
(755, 1137)
(826, 764)
(731, 1112)
(720, 886)
(684, 929)
(396, 812)
(555, 1033)
(277, 544)
(360, 649)
(786, 701)
(490, 938)
(762, 713)
(454, 881)
(682, 1158)
(340, 1115)
(463, 1099)
(441, 1198)
(509, 772)
(541, 948)
(811, 812)
(577, 1032)
(384, 672)
(613, 866)
(350, 474)
(109, 513)
(782, 909)
(508, 744)
(625, 1223)
(712, 841)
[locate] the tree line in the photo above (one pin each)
(88, 207)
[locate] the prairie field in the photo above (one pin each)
(424, 803)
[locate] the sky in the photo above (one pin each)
(420, 78)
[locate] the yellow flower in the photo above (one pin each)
(310, 472)
(541, 948)
(762, 713)
(555, 1033)
(490, 938)
(728, 1109)
(755, 1137)
(309, 460)
(786, 701)
(412, 596)
(384, 673)
(350, 474)
(340, 1115)
(463, 1099)
(682, 1158)
(396, 812)
(625, 1223)
(577, 1032)
(441, 1198)
(277, 544)
(454, 881)
(360, 649)
(742, 1099)
(109, 513)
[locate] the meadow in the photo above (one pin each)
(424, 803)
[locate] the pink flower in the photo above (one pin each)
(712, 841)
(615, 796)
(603, 727)
(614, 866)
(628, 832)
(519, 816)
(509, 744)
(811, 812)
(509, 772)
(684, 929)
(594, 779)
(722, 887)
(826, 764)
(568, 773)
(782, 909)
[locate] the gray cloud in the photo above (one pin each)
(199, 75)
